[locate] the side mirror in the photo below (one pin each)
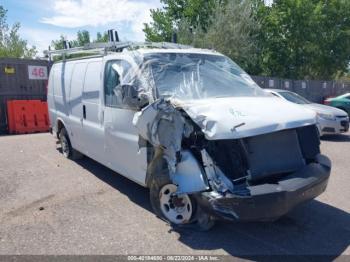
(132, 98)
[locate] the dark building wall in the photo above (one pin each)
(21, 79)
(313, 90)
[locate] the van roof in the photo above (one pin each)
(177, 50)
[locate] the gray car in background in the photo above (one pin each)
(330, 120)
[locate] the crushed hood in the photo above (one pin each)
(237, 117)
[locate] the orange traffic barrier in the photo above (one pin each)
(27, 116)
(41, 119)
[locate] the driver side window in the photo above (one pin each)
(115, 71)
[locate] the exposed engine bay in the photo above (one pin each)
(226, 162)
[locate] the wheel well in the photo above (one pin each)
(60, 125)
(156, 166)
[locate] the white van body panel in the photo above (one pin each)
(121, 137)
(75, 119)
(122, 149)
(106, 134)
(92, 128)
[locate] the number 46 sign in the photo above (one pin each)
(37, 72)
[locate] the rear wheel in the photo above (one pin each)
(67, 150)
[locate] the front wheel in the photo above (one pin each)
(177, 209)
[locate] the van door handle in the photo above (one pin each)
(84, 112)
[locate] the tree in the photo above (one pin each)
(299, 39)
(83, 37)
(233, 31)
(101, 38)
(58, 44)
(11, 44)
(161, 28)
(305, 39)
(167, 20)
(230, 27)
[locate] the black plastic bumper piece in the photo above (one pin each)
(268, 202)
(345, 125)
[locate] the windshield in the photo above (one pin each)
(295, 98)
(198, 76)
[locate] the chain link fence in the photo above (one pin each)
(313, 90)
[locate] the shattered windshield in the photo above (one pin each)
(197, 76)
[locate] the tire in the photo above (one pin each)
(67, 150)
(184, 213)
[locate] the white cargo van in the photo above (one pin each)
(193, 127)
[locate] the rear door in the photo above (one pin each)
(51, 99)
(93, 129)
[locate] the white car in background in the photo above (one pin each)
(330, 120)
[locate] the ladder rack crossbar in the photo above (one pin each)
(113, 47)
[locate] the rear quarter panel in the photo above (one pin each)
(58, 92)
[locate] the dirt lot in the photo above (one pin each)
(50, 205)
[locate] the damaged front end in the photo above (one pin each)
(268, 174)
(259, 177)
(242, 154)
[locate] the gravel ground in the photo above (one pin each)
(50, 205)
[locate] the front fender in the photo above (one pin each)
(189, 176)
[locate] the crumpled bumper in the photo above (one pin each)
(270, 201)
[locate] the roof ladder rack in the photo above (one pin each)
(101, 48)
(114, 45)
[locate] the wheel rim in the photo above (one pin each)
(65, 146)
(176, 209)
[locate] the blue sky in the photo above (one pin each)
(45, 20)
